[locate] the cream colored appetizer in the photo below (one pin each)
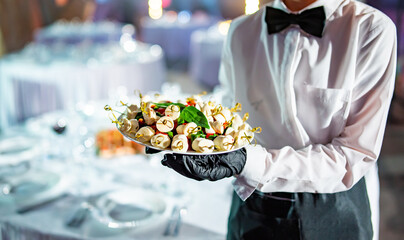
(195, 144)
(237, 121)
(173, 111)
(230, 131)
(223, 142)
(132, 110)
(190, 128)
(243, 138)
(180, 129)
(150, 116)
(165, 124)
(210, 130)
(179, 143)
(129, 126)
(217, 126)
(144, 134)
(160, 140)
(223, 116)
(205, 146)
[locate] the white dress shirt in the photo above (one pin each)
(322, 103)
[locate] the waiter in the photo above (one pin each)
(318, 77)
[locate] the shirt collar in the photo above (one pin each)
(329, 6)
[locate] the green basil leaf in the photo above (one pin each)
(197, 135)
(211, 137)
(139, 115)
(170, 134)
(165, 105)
(180, 121)
(192, 114)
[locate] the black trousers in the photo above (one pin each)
(344, 215)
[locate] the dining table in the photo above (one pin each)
(173, 32)
(55, 184)
(47, 77)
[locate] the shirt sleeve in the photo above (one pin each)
(338, 165)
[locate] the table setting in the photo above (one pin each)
(44, 76)
(75, 32)
(80, 194)
(173, 32)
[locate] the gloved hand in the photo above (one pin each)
(206, 167)
(151, 150)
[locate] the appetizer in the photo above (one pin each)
(182, 126)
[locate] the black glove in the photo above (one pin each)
(151, 150)
(207, 167)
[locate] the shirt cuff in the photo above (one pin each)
(252, 173)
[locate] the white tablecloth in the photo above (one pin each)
(40, 79)
(207, 203)
(173, 36)
(205, 55)
(78, 32)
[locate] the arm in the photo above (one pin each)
(338, 165)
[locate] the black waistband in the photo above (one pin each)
(283, 196)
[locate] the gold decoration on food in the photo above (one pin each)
(202, 94)
(180, 145)
(256, 130)
(143, 108)
(218, 109)
(159, 139)
(249, 138)
(195, 130)
(137, 92)
(165, 123)
(115, 120)
(245, 117)
(236, 108)
(124, 104)
(138, 135)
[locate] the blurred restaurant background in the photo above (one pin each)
(62, 61)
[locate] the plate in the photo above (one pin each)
(18, 149)
(166, 150)
(33, 183)
(130, 208)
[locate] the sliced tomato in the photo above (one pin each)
(209, 134)
(161, 111)
(191, 102)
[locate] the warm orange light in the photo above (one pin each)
(224, 27)
(61, 3)
(251, 6)
(155, 9)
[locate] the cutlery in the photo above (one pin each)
(175, 221)
(41, 204)
(81, 214)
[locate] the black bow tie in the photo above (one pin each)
(311, 21)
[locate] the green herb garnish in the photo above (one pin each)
(199, 134)
(165, 105)
(170, 134)
(192, 114)
(211, 137)
(139, 115)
